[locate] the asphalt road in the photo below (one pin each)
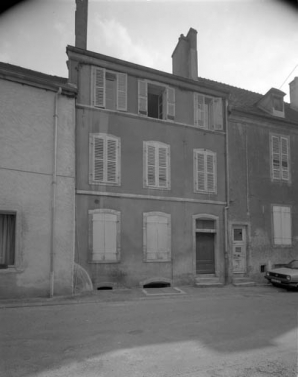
(247, 332)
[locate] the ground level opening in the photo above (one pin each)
(157, 284)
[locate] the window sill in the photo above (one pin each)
(8, 270)
(157, 261)
(103, 262)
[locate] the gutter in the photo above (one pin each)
(54, 185)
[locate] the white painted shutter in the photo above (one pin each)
(170, 103)
(152, 238)
(198, 110)
(98, 85)
(285, 173)
(217, 114)
(151, 165)
(277, 225)
(210, 169)
(162, 167)
(275, 157)
(98, 158)
(157, 238)
(121, 91)
(111, 160)
(200, 171)
(142, 94)
(162, 238)
(98, 237)
(286, 225)
(110, 236)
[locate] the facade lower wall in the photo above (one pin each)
(26, 166)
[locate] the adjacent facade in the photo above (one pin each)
(37, 175)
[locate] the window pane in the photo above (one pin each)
(238, 235)
(205, 224)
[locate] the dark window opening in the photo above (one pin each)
(277, 103)
(104, 288)
(7, 239)
(238, 235)
(157, 284)
(155, 102)
(263, 268)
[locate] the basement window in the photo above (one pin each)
(7, 239)
(157, 284)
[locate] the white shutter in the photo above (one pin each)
(170, 103)
(110, 236)
(217, 114)
(277, 225)
(162, 238)
(152, 238)
(98, 158)
(98, 87)
(275, 157)
(210, 170)
(98, 237)
(121, 91)
(286, 225)
(111, 160)
(157, 237)
(198, 110)
(285, 173)
(142, 97)
(162, 166)
(151, 165)
(200, 171)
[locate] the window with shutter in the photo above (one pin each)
(208, 112)
(156, 165)
(157, 237)
(204, 171)
(104, 162)
(156, 100)
(280, 169)
(282, 225)
(104, 234)
(109, 89)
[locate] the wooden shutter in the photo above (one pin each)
(121, 91)
(111, 160)
(162, 167)
(198, 110)
(285, 173)
(98, 87)
(157, 233)
(110, 236)
(98, 158)
(142, 97)
(162, 238)
(151, 238)
(275, 157)
(170, 103)
(277, 225)
(286, 223)
(210, 172)
(98, 237)
(217, 114)
(200, 171)
(151, 165)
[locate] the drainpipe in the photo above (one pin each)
(226, 209)
(54, 184)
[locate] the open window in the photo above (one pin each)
(208, 112)
(156, 100)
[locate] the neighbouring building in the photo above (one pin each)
(150, 168)
(37, 180)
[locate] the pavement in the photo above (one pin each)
(129, 294)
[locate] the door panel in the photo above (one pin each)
(205, 253)
(239, 249)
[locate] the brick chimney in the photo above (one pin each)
(294, 94)
(185, 56)
(81, 20)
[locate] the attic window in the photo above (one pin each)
(278, 104)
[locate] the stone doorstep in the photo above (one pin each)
(207, 281)
(243, 282)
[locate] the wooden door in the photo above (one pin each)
(205, 263)
(239, 250)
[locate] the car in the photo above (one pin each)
(286, 276)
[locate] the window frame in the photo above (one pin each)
(215, 118)
(106, 138)
(281, 245)
(121, 89)
(280, 137)
(91, 213)
(157, 145)
(166, 216)
(9, 267)
(206, 153)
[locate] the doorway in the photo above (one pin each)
(205, 261)
(239, 245)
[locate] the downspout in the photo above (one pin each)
(226, 209)
(54, 184)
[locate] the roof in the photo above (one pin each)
(17, 73)
(245, 100)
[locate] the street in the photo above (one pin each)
(231, 332)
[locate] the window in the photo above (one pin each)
(109, 89)
(156, 165)
(7, 239)
(156, 100)
(157, 237)
(282, 225)
(104, 235)
(104, 159)
(280, 169)
(204, 171)
(208, 112)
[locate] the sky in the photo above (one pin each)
(251, 44)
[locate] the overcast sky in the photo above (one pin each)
(252, 44)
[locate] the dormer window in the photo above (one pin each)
(273, 103)
(278, 104)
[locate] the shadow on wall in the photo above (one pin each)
(81, 280)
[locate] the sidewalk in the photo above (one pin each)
(132, 294)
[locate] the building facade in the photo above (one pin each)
(150, 170)
(37, 175)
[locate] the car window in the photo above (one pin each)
(293, 264)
